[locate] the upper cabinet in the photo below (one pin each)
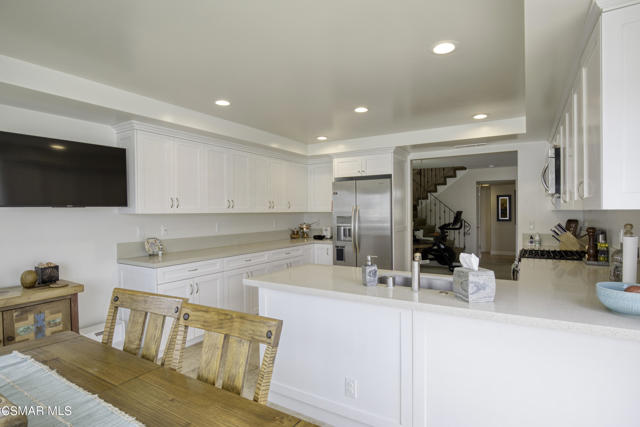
(320, 188)
(168, 174)
(598, 131)
(378, 164)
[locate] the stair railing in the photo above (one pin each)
(438, 213)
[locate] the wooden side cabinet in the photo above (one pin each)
(31, 314)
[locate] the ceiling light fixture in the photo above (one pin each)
(361, 109)
(444, 47)
(223, 103)
(477, 144)
(480, 116)
(58, 147)
(321, 138)
(492, 166)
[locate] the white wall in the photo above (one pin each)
(461, 195)
(83, 240)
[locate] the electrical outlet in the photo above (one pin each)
(163, 230)
(351, 388)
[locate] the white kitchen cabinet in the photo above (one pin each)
(209, 289)
(165, 174)
(377, 164)
(323, 254)
(278, 185)
(320, 188)
(269, 184)
(296, 187)
(238, 297)
(217, 174)
(180, 288)
(603, 172)
(239, 181)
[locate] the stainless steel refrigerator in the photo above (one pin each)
(362, 221)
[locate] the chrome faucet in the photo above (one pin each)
(415, 272)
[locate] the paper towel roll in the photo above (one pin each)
(629, 259)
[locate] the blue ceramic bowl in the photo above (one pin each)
(613, 296)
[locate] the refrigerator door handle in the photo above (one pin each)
(356, 230)
(353, 228)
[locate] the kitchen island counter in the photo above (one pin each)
(552, 294)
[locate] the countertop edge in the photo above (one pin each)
(514, 319)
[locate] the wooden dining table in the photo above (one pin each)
(152, 394)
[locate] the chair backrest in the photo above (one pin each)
(227, 341)
(146, 309)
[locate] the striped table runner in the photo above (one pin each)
(48, 399)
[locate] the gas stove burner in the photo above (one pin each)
(559, 255)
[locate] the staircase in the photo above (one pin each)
(426, 181)
(429, 211)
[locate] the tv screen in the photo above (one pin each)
(36, 171)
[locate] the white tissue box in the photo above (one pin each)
(474, 285)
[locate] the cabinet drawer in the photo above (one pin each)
(187, 271)
(36, 321)
(286, 253)
(245, 261)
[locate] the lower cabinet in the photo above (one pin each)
(238, 297)
(323, 254)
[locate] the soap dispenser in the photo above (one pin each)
(370, 272)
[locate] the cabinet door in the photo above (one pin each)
(233, 290)
(323, 254)
(184, 289)
(592, 124)
(277, 266)
(320, 188)
(216, 173)
(209, 289)
(36, 321)
(188, 172)
(240, 181)
(296, 186)
(377, 165)
(261, 185)
(349, 166)
(154, 173)
(278, 185)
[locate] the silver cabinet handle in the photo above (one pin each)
(192, 270)
(289, 205)
(197, 288)
(233, 203)
(177, 203)
(171, 202)
(191, 287)
(228, 204)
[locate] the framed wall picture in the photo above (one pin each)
(504, 207)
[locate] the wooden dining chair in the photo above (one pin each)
(146, 309)
(228, 338)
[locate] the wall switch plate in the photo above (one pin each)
(351, 388)
(163, 230)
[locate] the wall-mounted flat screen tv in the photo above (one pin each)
(37, 171)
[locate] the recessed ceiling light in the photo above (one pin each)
(223, 103)
(361, 109)
(321, 138)
(492, 166)
(480, 116)
(57, 147)
(442, 48)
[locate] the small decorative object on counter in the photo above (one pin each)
(370, 272)
(592, 253)
(154, 246)
(46, 273)
(471, 283)
(615, 297)
(28, 279)
(295, 234)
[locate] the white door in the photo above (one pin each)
(154, 173)
(377, 165)
(296, 184)
(240, 195)
(320, 188)
(323, 254)
(180, 288)
(278, 184)
(233, 289)
(351, 166)
(260, 189)
(216, 173)
(188, 165)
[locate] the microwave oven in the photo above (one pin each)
(551, 172)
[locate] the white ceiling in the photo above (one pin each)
(295, 68)
(476, 161)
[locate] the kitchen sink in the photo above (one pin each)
(437, 283)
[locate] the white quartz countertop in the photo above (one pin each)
(552, 294)
(186, 257)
